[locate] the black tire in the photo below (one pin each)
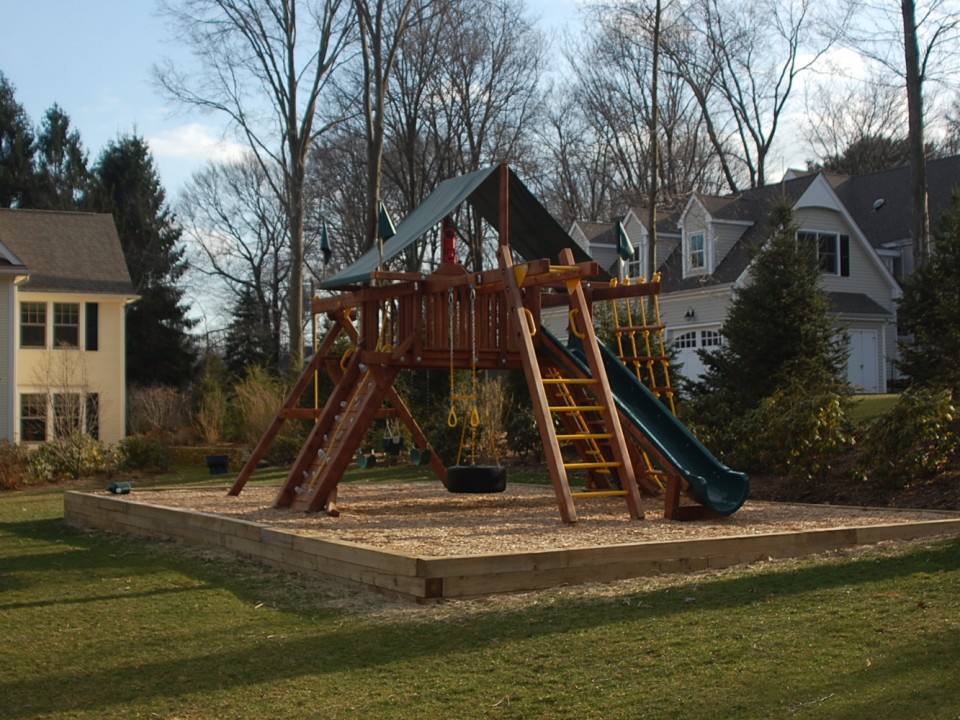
(476, 478)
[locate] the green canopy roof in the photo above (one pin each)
(534, 233)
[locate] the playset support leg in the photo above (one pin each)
(517, 321)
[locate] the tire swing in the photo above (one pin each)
(471, 478)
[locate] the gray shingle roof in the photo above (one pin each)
(66, 251)
(747, 206)
(891, 222)
(855, 304)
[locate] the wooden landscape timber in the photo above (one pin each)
(427, 578)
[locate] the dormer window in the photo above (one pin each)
(698, 252)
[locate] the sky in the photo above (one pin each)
(94, 60)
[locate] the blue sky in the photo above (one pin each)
(94, 60)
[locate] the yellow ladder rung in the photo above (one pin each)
(599, 493)
(576, 408)
(590, 465)
(585, 436)
(568, 381)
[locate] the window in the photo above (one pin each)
(33, 324)
(91, 333)
(698, 252)
(833, 251)
(66, 414)
(687, 340)
(634, 268)
(710, 338)
(93, 415)
(66, 324)
(33, 417)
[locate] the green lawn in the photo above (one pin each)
(95, 626)
(867, 407)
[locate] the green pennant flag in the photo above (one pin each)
(385, 226)
(624, 246)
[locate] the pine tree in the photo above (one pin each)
(250, 341)
(928, 311)
(778, 330)
(62, 174)
(159, 349)
(17, 179)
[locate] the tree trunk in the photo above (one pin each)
(654, 148)
(918, 164)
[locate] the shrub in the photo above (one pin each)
(212, 414)
(916, 437)
(158, 408)
(258, 398)
(77, 455)
(798, 431)
(13, 465)
(145, 452)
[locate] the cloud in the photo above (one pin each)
(194, 142)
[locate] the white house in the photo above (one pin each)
(705, 254)
(64, 287)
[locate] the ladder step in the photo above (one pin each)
(568, 381)
(591, 465)
(600, 493)
(584, 436)
(576, 408)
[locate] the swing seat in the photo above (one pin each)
(476, 478)
(392, 446)
(365, 462)
(420, 457)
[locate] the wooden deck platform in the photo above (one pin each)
(433, 578)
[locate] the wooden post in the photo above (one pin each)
(531, 369)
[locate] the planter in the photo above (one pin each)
(218, 464)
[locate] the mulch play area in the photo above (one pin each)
(417, 541)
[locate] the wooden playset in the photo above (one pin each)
(593, 416)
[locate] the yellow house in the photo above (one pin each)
(64, 287)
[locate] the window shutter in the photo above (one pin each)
(845, 255)
(92, 326)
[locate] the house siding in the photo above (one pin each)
(101, 371)
(865, 277)
(7, 306)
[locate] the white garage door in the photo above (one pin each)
(686, 345)
(862, 363)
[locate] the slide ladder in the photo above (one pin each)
(580, 415)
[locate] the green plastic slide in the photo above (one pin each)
(712, 483)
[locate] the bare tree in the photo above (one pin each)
(917, 43)
(383, 24)
(264, 64)
(843, 114)
(488, 98)
(742, 60)
(239, 232)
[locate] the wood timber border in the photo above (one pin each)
(432, 578)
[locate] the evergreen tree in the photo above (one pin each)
(928, 311)
(62, 173)
(159, 349)
(16, 149)
(778, 330)
(250, 341)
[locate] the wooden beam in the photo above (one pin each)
(531, 369)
